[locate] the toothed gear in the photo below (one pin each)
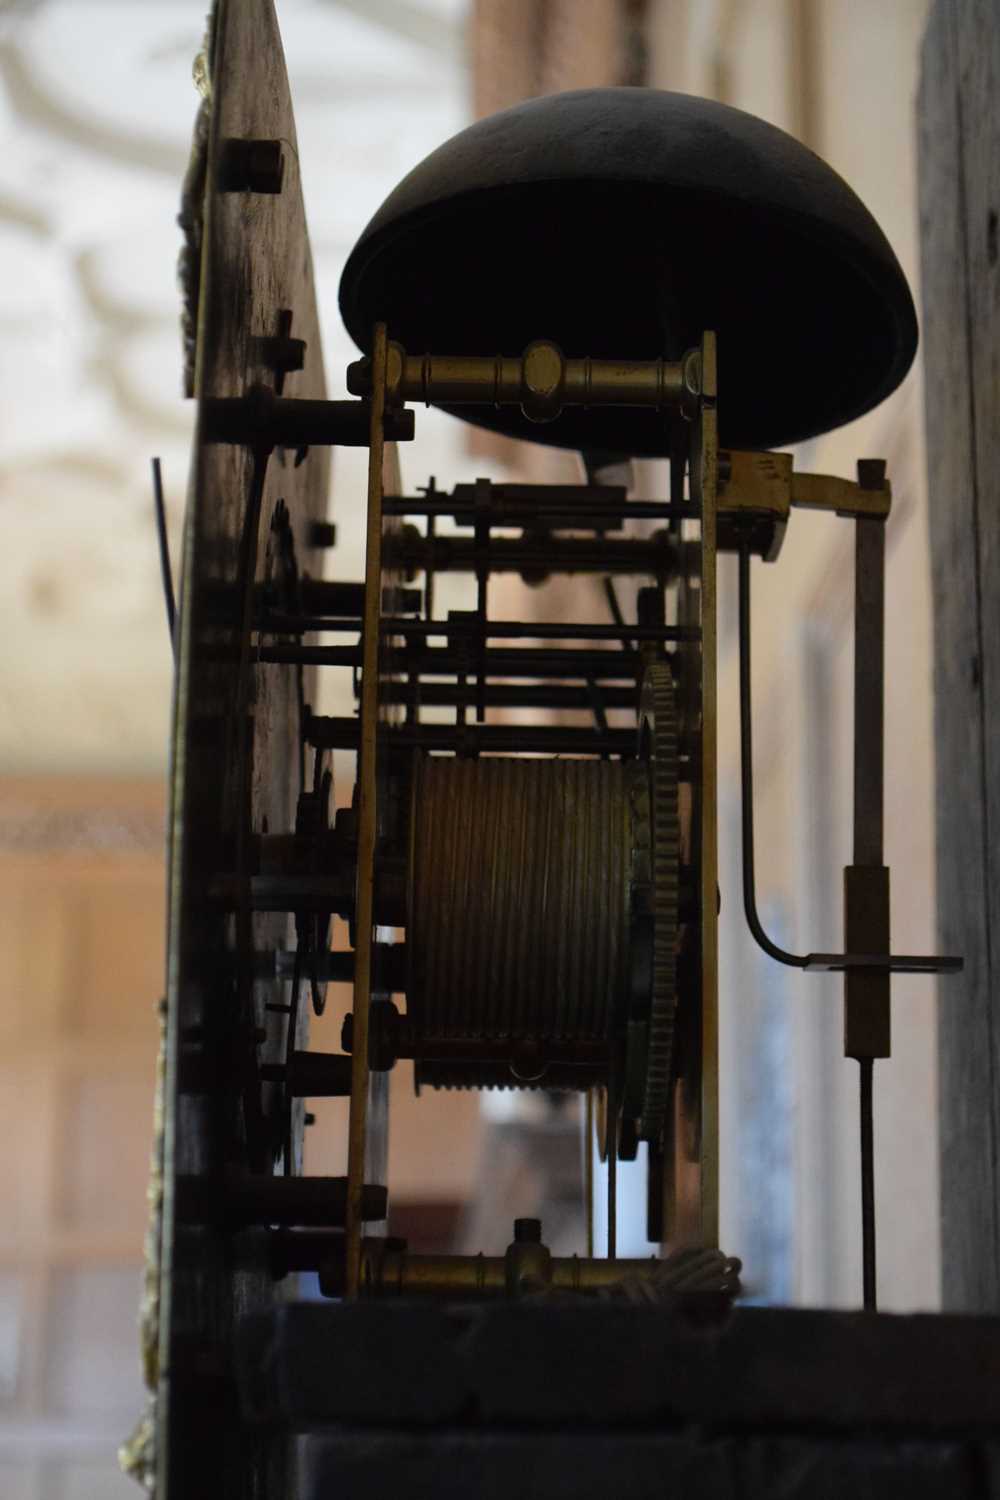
(659, 731)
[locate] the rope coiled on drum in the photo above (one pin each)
(520, 893)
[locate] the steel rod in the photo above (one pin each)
(261, 419)
(442, 661)
(866, 1068)
(534, 556)
(572, 630)
(530, 497)
(510, 739)
(263, 1199)
(166, 571)
(505, 695)
(569, 512)
(538, 630)
(746, 777)
(615, 611)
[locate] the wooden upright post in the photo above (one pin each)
(959, 146)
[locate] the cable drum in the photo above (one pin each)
(558, 1078)
(521, 876)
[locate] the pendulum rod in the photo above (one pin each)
(866, 881)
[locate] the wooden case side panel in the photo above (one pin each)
(958, 130)
(236, 745)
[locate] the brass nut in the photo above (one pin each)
(395, 365)
(691, 381)
(543, 374)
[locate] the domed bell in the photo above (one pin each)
(620, 224)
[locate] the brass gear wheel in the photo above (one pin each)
(659, 739)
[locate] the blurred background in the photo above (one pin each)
(96, 109)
